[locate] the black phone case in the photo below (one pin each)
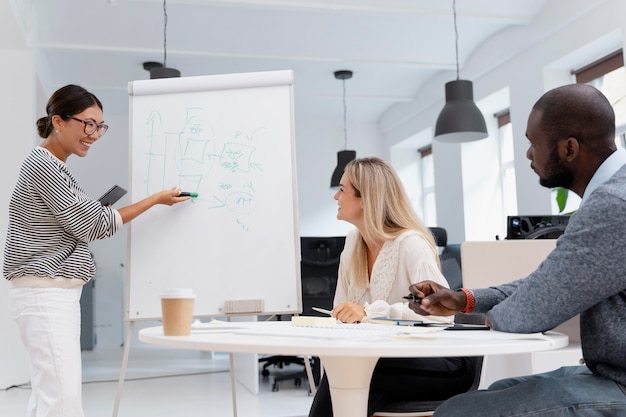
(110, 197)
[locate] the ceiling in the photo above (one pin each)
(392, 46)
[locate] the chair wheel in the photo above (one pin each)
(265, 372)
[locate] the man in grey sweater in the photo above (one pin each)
(571, 133)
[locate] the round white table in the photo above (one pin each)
(349, 352)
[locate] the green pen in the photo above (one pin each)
(187, 194)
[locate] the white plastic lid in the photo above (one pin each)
(178, 293)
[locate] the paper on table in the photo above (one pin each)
(394, 322)
(409, 332)
(361, 331)
(418, 332)
(214, 325)
(313, 321)
(421, 331)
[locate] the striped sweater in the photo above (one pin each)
(51, 221)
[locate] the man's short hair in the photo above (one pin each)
(580, 111)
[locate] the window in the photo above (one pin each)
(507, 163)
(620, 140)
(427, 170)
(609, 76)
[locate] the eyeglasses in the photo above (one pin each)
(91, 127)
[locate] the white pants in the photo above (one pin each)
(49, 325)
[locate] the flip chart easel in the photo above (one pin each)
(229, 138)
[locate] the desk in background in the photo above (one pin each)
(350, 352)
(490, 263)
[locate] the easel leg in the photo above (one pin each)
(233, 383)
(120, 382)
(309, 374)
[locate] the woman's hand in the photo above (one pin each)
(167, 197)
(349, 313)
(434, 299)
(170, 197)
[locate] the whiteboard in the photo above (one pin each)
(230, 138)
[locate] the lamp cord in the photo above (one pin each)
(345, 110)
(164, 34)
(456, 40)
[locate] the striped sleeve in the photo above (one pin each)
(51, 221)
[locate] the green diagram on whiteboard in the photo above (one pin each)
(223, 171)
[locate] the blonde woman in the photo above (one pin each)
(389, 250)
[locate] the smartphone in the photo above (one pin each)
(110, 197)
(458, 326)
(396, 322)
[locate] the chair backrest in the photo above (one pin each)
(441, 236)
(319, 265)
(450, 258)
(451, 268)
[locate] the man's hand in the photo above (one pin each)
(434, 299)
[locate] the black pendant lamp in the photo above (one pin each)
(460, 119)
(345, 156)
(158, 70)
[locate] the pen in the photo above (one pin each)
(322, 310)
(412, 298)
(187, 194)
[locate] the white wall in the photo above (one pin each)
(104, 166)
(315, 164)
(17, 120)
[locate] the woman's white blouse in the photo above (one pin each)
(406, 260)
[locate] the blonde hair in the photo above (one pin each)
(387, 212)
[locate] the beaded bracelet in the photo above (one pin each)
(471, 301)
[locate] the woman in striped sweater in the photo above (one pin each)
(46, 256)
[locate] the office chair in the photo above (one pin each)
(449, 257)
(310, 370)
(281, 361)
(427, 408)
(319, 264)
(547, 232)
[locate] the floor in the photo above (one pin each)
(164, 383)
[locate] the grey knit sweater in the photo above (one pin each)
(585, 274)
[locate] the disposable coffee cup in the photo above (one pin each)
(177, 310)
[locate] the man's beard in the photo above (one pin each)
(557, 175)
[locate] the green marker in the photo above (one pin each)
(188, 194)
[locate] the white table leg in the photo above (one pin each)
(349, 380)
